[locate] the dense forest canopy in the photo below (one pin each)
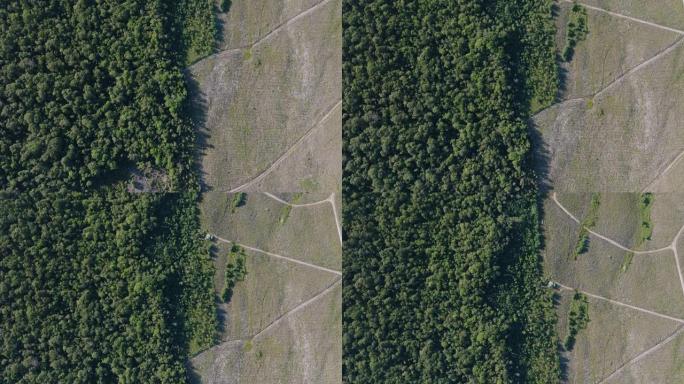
(442, 282)
(98, 285)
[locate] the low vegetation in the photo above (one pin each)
(238, 200)
(442, 281)
(589, 221)
(577, 30)
(578, 318)
(646, 227)
(235, 271)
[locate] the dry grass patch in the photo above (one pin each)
(308, 234)
(666, 12)
(254, 104)
(612, 47)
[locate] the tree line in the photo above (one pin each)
(99, 285)
(442, 282)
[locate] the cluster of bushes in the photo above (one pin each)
(97, 284)
(237, 200)
(589, 221)
(645, 202)
(235, 271)
(442, 281)
(578, 319)
(577, 30)
(195, 28)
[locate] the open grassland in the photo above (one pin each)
(614, 335)
(305, 233)
(283, 322)
(650, 281)
(662, 365)
(255, 103)
(250, 20)
(636, 302)
(622, 138)
(314, 166)
(612, 47)
(665, 12)
(302, 348)
(270, 289)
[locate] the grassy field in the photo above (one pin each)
(283, 322)
(666, 12)
(612, 47)
(304, 348)
(308, 234)
(249, 21)
(255, 103)
(651, 281)
(315, 167)
(615, 334)
(621, 139)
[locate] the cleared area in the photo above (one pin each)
(283, 321)
(664, 12)
(304, 347)
(614, 336)
(255, 103)
(308, 234)
(621, 139)
(612, 48)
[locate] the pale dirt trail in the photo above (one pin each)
(330, 199)
(277, 256)
(679, 31)
(663, 172)
(287, 153)
(618, 79)
(604, 238)
(277, 320)
(643, 354)
(619, 303)
(267, 36)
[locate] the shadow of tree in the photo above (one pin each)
(197, 107)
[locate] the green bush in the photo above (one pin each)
(577, 30)
(578, 319)
(235, 271)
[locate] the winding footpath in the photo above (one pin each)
(330, 199)
(277, 29)
(287, 153)
(277, 256)
(619, 15)
(672, 247)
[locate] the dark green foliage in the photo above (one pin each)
(102, 286)
(577, 30)
(89, 88)
(577, 319)
(442, 282)
(587, 223)
(97, 285)
(195, 26)
(225, 5)
(582, 245)
(235, 271)
(238, 200)
(646, 228)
